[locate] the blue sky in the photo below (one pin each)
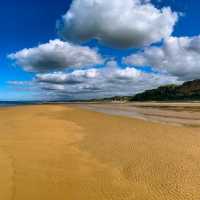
(24, 24)
(28, 23)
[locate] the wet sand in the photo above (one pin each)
(50, 152)
(186, 114)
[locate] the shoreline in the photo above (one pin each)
(181, 114)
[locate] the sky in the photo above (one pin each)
(82, 49)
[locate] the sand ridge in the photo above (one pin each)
(62, 152)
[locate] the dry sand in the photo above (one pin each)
(59, 152)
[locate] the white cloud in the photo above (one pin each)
(74, 77)
(55, 55)
(20, 83)
(98, 83)
(117, 23)
(178, 57)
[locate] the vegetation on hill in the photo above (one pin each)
(187, 91)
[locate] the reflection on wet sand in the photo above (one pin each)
(187, 114)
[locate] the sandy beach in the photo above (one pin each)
(181, 114)
(59, 152)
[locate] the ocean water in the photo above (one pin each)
(14, 103)
(8, 104)
(3, 105)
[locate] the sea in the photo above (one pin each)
(16, 103)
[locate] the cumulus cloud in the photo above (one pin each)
(55, 55)
(117, 23)
(178, 57)
(108, 81)
(75, 77)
